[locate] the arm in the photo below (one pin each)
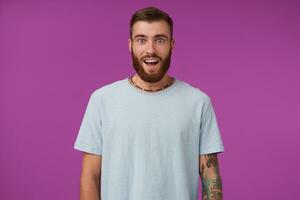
(210, 176)
(90, 177)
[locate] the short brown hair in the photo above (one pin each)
(151, 14)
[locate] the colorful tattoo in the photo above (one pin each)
(211, 186)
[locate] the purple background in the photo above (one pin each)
(244, 55)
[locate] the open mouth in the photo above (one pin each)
(151, 62)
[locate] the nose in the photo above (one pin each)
(150, 48)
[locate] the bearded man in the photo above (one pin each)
(149, 136)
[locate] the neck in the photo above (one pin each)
(151, 86)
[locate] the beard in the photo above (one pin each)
(151, 78)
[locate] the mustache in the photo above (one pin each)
(151, 56)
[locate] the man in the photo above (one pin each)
(149, 136)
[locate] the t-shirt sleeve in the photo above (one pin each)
(210, 137)
(89, 138)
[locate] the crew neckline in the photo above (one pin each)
(127, 79)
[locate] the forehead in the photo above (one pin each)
(151, 29)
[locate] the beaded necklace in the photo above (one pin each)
(169, 84)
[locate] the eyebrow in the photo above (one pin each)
(156, 36)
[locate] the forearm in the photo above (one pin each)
(212, 188)
(90, 189)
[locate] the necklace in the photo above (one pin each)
(169, 84)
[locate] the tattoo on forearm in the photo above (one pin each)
(202, 170)
(211, 160)
(211, 187)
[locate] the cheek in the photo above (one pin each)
(137, 51)
(163, 54)
(163, 51)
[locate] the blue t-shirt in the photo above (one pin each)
(150, 142)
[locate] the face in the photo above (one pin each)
(151, 48)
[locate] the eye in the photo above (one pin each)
(160, 40)
(141, 40)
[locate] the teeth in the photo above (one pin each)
(151, 60)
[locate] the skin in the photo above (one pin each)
(151, 39)
(90, 177)
(210, 176)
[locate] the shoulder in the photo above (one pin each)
(193, 92)
(108, 89)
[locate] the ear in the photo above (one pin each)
(129, 44)
(172, 44)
